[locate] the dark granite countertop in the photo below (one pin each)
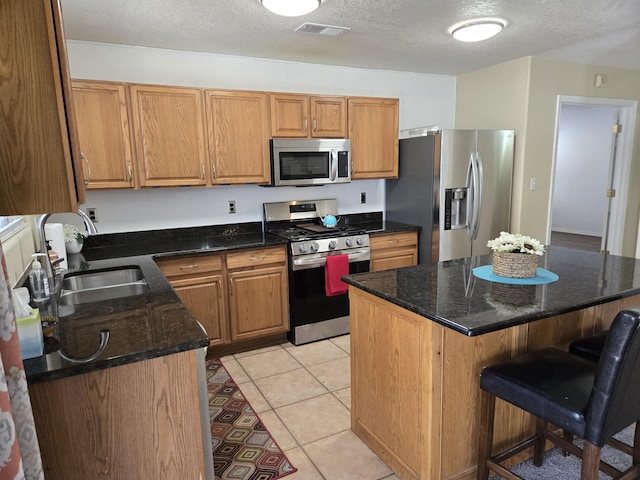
(155, 323)
(141, 327)
(447, 292)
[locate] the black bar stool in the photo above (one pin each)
(589, 347)
(588, 400)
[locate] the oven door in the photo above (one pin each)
(313, 314)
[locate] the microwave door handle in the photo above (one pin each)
(334, 164)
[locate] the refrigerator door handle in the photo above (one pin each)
(470, 187)
(477, 195)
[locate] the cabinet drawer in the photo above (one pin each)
(393, 240)
(253, 258)
(173, 267)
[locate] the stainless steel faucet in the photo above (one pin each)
(42, 220)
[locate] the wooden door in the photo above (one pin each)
(169, 135)
(39, 157)
(328, 117)
(258, 302)
(289, 115)
(238, 136)
(373, 130)
(101, 110)
(205, 300)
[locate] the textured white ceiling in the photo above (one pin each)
(405, 35)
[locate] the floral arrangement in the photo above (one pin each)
(516, 243)
(71, 234)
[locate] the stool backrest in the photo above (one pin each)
(615, 398)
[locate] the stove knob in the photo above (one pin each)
(332, 245)
(349, 242)
(359, 241)
(315, 247)
(302, 248)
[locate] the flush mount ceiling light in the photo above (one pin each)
(477, 30)
(291, 8)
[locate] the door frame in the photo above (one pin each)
(627, 110)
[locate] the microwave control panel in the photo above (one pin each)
(343, 164)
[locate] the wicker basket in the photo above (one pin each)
(515, 265)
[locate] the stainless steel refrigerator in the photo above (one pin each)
(456, 185)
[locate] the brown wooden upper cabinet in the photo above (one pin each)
(102, 115)
(170, 136)
(308, 116)
(373, 130)
(238, 136)
(39, 154)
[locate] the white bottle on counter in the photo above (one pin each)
(39, 281)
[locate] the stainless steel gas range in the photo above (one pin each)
(315, 315)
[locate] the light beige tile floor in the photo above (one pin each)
(303, 396)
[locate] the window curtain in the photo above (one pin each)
(19, 449)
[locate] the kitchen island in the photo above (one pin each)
(421, 335)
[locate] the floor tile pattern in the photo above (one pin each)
(303, 396)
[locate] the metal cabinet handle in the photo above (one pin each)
(255, 258)
(306, 123)
(191, 267)
(86, 160)
(202, 170)
(315, 124)
(130, 172)
(214, 174)
(393, 240)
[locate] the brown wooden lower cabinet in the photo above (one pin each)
(415, 383)
(139, 420)
(236, 296)
(393, 250)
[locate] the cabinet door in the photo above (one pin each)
(373, 130)
(238, 135)
(258, 302)
(289, 115)
(169, 135)
(328, 117)
(393, 251)
(39, 154)
(101, 110)
(205, 300)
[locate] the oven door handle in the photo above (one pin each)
(357, 255)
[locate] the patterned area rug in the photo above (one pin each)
(243, 449)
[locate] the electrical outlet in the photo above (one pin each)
(363, 197)
(92, 213)
(232, 206)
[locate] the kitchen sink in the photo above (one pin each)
(98, 285)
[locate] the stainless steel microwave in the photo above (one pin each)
(302, 162)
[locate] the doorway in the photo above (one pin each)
(591, 173)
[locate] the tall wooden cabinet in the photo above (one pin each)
(308, 116)
(373, 130)
(102, 112)
(170, 135)
(39, 154)
(238, 136)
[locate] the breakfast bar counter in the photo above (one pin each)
(421, 335)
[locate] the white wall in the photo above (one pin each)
(582, 169)
(424, 100)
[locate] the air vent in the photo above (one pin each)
(317, 29)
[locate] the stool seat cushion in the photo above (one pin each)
(589, 347)
(548, 383)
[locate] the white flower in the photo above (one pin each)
(516, 243)
(72, 233)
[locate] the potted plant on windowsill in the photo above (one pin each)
(515, 255)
